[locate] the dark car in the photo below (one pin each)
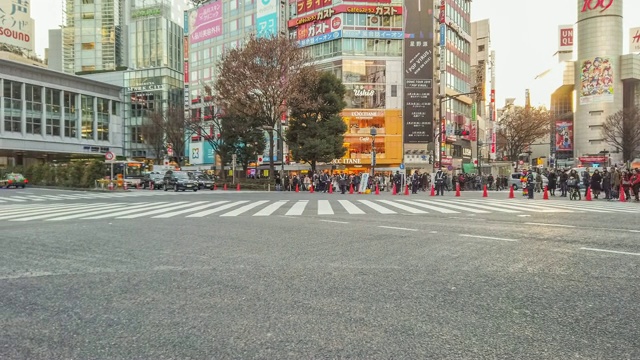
(204, 180)
(179, 180)
(13, 179)
(156, 179)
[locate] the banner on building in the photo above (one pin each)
(205, 22)
(634, 40)
(16, 24)
(564, 135)
(565, 38)
(418, 72)
(267, 18)
(596, 80)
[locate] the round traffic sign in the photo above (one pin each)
(109, 156)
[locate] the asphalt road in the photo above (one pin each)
(453, 285)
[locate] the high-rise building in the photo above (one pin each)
(483, 112)
(93, 36)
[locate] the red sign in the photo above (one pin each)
(564, 135)
(442, 16)
(474, 133)
(592, 159)
(305, 6)
(446, 160)
(566, 37)
(186, 72)
(602, 5)
(361, 9)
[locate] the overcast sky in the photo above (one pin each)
(524, 41)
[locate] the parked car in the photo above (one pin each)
(179, 180)
(13, 179)
(514, 180)
(204, 180)
(155, 178)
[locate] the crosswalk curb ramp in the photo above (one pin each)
(190, 209)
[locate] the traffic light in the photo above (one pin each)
(462, 132)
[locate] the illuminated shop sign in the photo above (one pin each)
(328, 13)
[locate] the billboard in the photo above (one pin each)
(565, 38)
(596, 80)
(564, 135)
(16, 25)
(418, 72)
(267, 18)
(205, 22)
(634, 40)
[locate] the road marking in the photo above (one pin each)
(463, 208)
(551, 225)
(271, 208)
(157, 205)
(404, 207)
(376, 207)
(430, 207)
(297, 208)
(487, 237)
(491, 207)
(611, 251)
(80, 209)
(97, 212)
(335, 221)
(196, 208)
(28, 212)
(245, 208)
(12, 198)
(397, 228)
(159, 211)
(324, 207)
(351, 207)
(26, 208)
(218, 209)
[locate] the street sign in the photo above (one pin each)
(109, 156)
(401, 166)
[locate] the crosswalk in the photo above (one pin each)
(87, 195)
(200, 208)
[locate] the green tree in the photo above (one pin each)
(316, 130)
(92, 172)
(242, 136)
(74, 173)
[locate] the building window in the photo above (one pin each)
(103, 120)
(480, 48)
(136, 135)
(33, 97)
(88, 16)
(87, 116)
(88, 46)
(70, 115)
(52, 99)
(12, 106)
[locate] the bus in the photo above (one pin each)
(132, 171)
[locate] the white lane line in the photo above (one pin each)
(196, 208)
(52, 197)
(35, 198)
(41, 210)
(324, 207)
(378, 208)
(506, 209)
(457, 207)
(271, 208)
(403, 207)
(430, 207)
(12, 198)
(297, 208)
(350, 207)
(157, 205)
(218, 209)
(65, 212)
(486, 237)
(23, 208)
(397, 228)
(96, 212)
(335, 221)
(550, 225)
(244, 209)
(611, 251)
(159, 211)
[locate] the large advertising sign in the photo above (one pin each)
(596, 81)
(634, 40)
(16, 24)
(267, 18)
(565, 38)
(205, 22)
(564, 135)
(358, 9)
(418, 72)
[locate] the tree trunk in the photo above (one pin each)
(313, 167)
(271, 165)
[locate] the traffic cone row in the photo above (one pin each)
(588, 196)
(457, 189)
(484, 192)
(512, 195)
(377, 190)
(433, 191)
(621, 196)
(545, 196)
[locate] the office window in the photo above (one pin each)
(52, 99)
(103, 119)
(12, 106)
(33, 97)
(70, 115)
(87, 116)
(88, 16)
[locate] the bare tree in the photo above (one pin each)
(521, 127)
(153, 134)
(622, 131)
(257, 79)
(174, 127)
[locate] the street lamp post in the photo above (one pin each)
(373, 133)
(479, 143)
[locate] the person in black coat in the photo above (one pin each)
(552, 177)
(596, 179)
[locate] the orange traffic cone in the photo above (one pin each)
(351, 189)
(457, 189)
(225, 187)
(377, 190)
(545, 196)
(311, 189)
(511, 194)
(394, 189)
(588, 197)
(238, 187)
(215, 187)
(406, 190)
(330, 188)
(297, 189)
(484, 192)
(433, 191)
(621, 196)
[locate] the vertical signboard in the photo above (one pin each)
(565, 38)
(564, 135)
(205, 22)
(418, 72)
(634, 40)
(596, 80)
(16, 24)
(267, 18)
